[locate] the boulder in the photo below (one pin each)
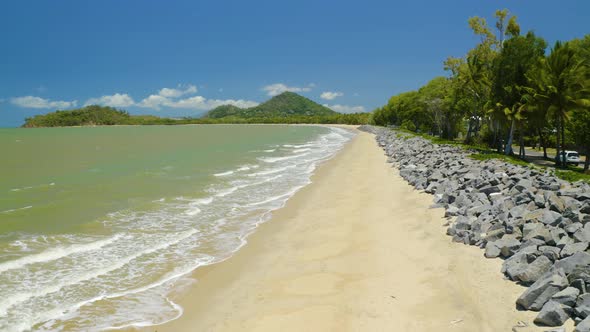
(583, 234)
(535, 231)
(556, 203)
(551, 218)
(572, 248)
(542, 290)
(532, 272)
(583, 305)
(583, 326)
(553, 314)
(579, 260)
(567, 296)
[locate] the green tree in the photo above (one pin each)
(559, 84)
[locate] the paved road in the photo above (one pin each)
(536, 157)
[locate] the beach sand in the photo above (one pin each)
(356, 250)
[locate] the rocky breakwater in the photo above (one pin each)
(537, 223)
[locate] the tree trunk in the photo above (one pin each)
(508, 147)
(587, 162)
(542, 142)
(557, 145)
(468, 136)
(521, 153)
(564, 163)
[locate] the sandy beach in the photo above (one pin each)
(356, 250)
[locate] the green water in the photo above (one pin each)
(98, 226)
(69, 177)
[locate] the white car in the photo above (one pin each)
(571, 157)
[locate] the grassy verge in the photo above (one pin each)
(572, 174)
(508, 159)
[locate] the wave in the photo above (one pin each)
(162, 246)
(88, 275)
(56, 253)
(33, 187)
(277, 159)
(17, 209)
(224, 173)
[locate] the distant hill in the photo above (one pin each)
(284, 105)
(93, 115)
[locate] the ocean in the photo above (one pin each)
(99, 225)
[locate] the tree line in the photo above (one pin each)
(95, 115)
(509, 89)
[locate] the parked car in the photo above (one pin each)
(570, 157)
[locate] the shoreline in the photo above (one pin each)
(315, 266)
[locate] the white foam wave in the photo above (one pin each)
(56, 253)
(224, 173)
(22, 297)
(17, 209)
(227, 191)
(277, 159)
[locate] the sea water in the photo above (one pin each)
(98, 226)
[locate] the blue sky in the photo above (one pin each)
(179, 58)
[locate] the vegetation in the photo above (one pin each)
(286, 104)
(288, 108)
(509, 89)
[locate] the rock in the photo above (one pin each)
(567, 296)
(583, 326)
(550, 252)
(535, 231)
(492, 250)
(533, 271)
(553, 314)
(506, 246)
(542, 290)
(551, 218)
(490, 190)
(556, 203)
(583, 305)
(579, 284)
(583, 234)
(572, 248)
(579, 260)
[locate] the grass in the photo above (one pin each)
(572, 174)
(508, 159)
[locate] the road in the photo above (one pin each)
(536, 157)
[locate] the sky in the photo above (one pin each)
(181, 58)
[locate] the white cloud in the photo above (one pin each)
(37, 102)
(278, 88)
(116, 100)
(175, 93)
(329, 95)
(199, 103)
(346, 108)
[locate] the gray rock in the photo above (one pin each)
(583, 235)
(550, 252)
(579, 284)
(553, 314)
(492, 250)
(542, 290)
(567, 296)
(570, 249)
(556, 203)
(535, 231)
(532, 272)
(583, 326)
(583, 305)
(551, 218)
(576, 261)
(572, 228)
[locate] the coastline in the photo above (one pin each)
(357, 249)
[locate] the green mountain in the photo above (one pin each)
(284, 105)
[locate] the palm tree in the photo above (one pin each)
(557, 83)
